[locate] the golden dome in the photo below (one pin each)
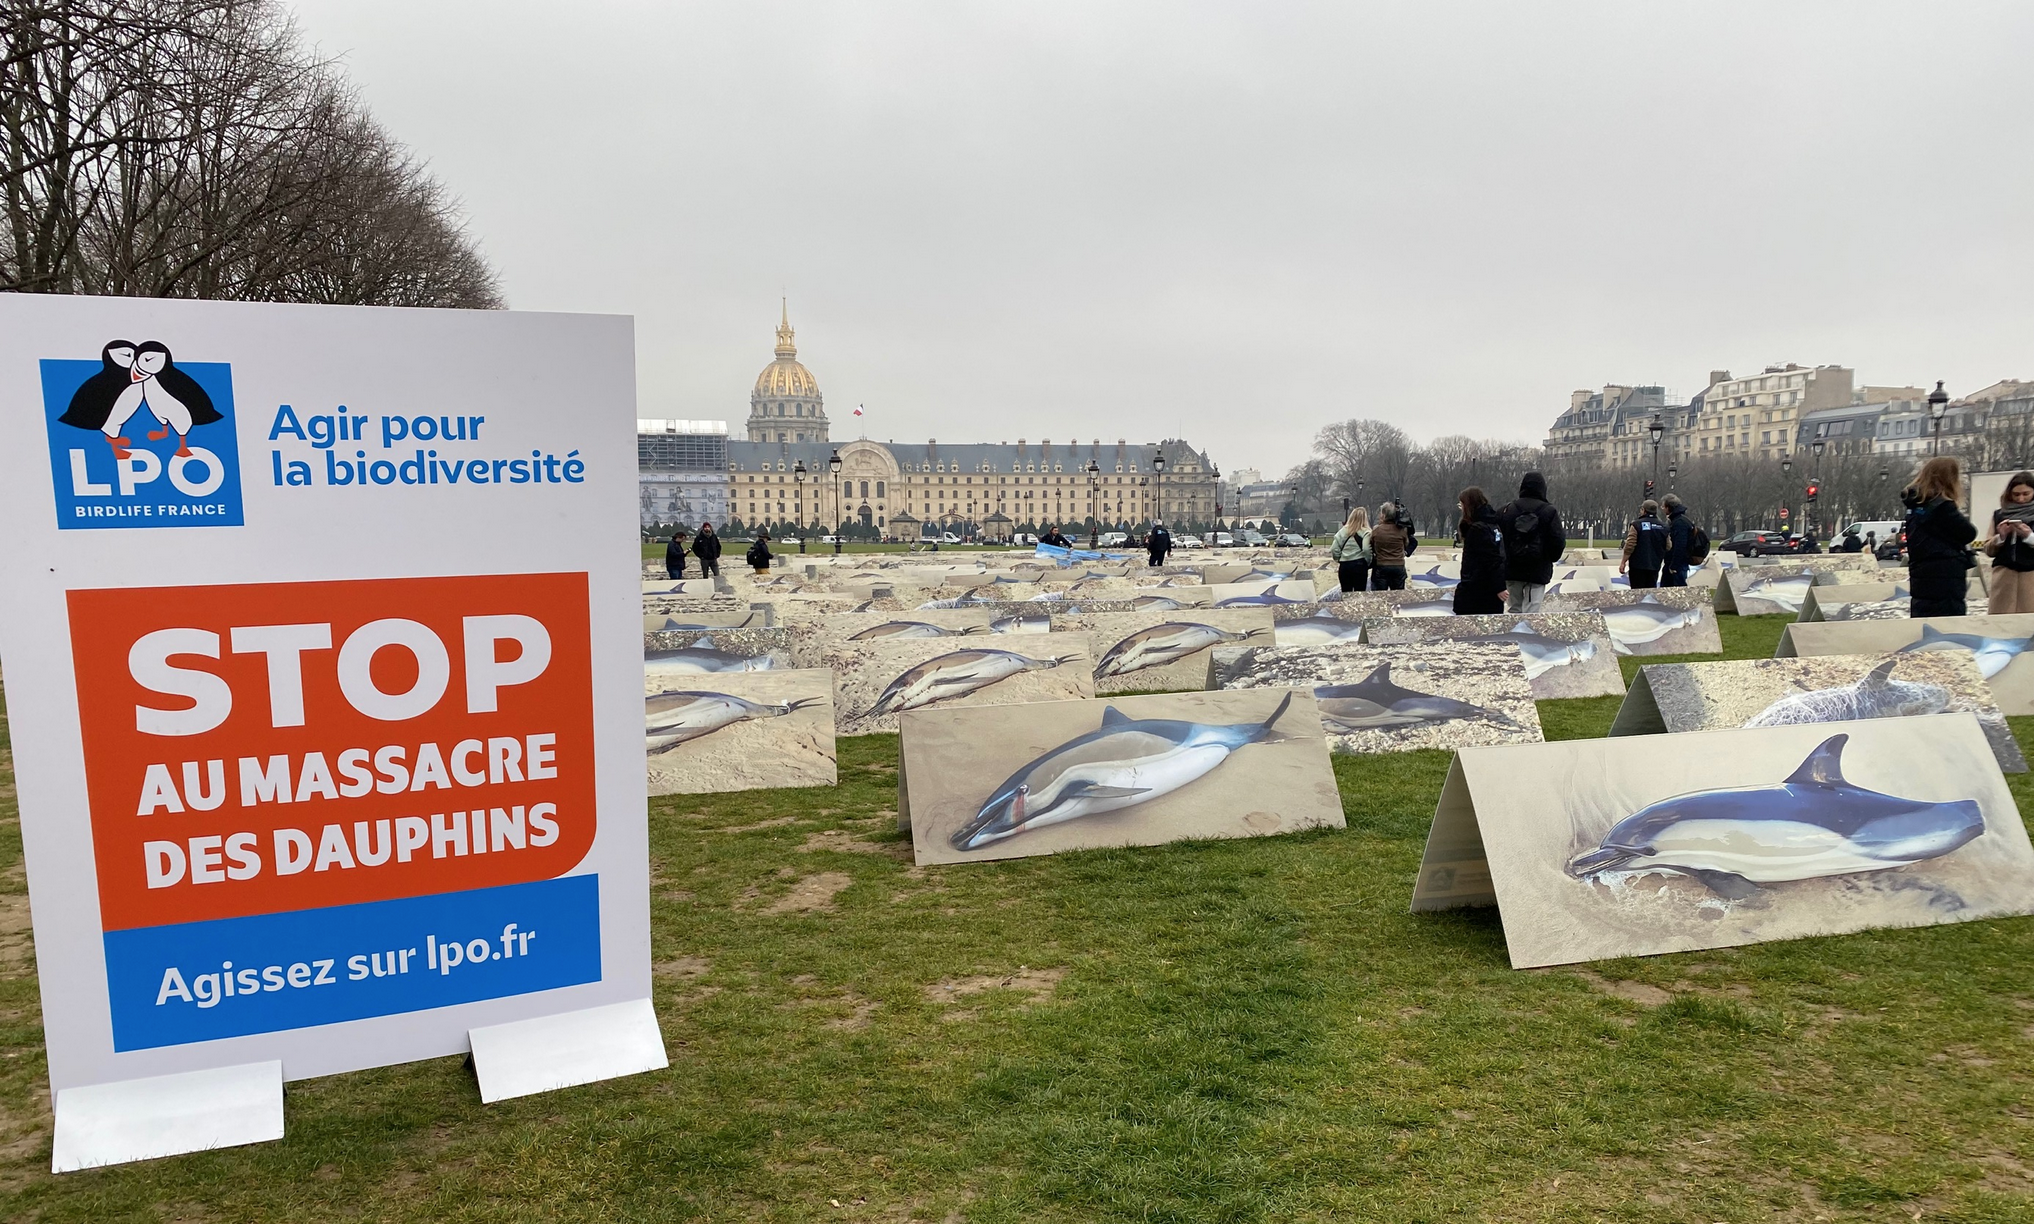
(785, 376)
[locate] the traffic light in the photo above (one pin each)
(1649, 488)
(1814, 487)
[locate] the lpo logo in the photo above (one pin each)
(138, 439)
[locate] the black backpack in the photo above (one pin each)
(759, 555)
(1698, 545)
(1522, 539)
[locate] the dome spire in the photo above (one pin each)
(785, 348)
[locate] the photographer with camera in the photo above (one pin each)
(1391, 542)
(1938, 540)
(2012, 553)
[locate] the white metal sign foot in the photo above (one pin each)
(167, 1115)
(549, 1052)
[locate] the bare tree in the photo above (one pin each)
(193, 148)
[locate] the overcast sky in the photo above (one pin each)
(1237, 222)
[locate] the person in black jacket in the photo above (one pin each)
(2011, 548)
(759, 553)
(1938, 541)
(1680, 534)
(1482, 588)
(674, 555)
(707, 549)
(1053, 537)
(1158, 543)
(1533, 541)
(1645, 547)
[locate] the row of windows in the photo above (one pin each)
(797, 410)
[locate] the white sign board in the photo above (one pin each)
(322, 656)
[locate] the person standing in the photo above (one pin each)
(2011, 551)
(1481, 592)
(1053, 537)
(1938, 541)
(707, 549)
(759, 553)
(1351, 551)
(1680, 544)
(1809, 544)
(674, 555)
(1533, 541)
(1158, 543)
(1390, 544)
(1645, 547)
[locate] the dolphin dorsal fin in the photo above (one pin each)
(1649, 598)
(1877, 677)
(1113, 717)
(705, 642)
(1825, 764)
(1929, 633)
(1523, 626)
(1381, 676)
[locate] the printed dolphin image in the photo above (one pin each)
(1268, 597)
(1376, 704)
(1317, 630)
(958, 601)
(1274, 575)
(1993, 654)
(1541, 653)
(1648, 620)
(1020, 622)
(902, 629)
(700, 658)
(671, 719)
(1875, 695)
(1126, 762)
(1813, 824)
(1154, 603)
(1432, 578)
(1160, 645)
(1426, 607)
(1788, 592)
(955, 675)
(672, 624)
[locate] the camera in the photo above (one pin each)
(1910, 497)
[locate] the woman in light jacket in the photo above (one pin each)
(1351, 551)
(2011, 551)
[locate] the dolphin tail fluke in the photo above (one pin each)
(1825, 764)
(1265, 734)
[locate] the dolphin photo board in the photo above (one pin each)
(1143, 651)
(1566, 654)
(1120, 771)
(706, 621)
(1666, 620)
(1879, 609)
(1768, 590)
(1323, 623)
(1679, 697)
(740, 731)
(811, 639)
(1424, 601)
(1592, 850)
(1397, 698)
(1261, 593)
(1820, 598)
(315, 775)
(874, 682)
(2000, 645)
(699, 651)
(698, 588)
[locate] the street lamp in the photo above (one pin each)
(1656, 429)
(1094, 491)
(1158, 489)
(1786, 468)
(1673, 470)
(1938, 402)
(833, 478)
(798, 474)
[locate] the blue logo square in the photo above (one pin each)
(138, 439)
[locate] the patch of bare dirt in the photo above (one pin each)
(847, 843)
(812, 894)
(1037, 983)
(779, 822)
(682, 968)
(857, 1019)
(1631, 992)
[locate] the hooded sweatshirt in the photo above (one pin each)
(1520, 565)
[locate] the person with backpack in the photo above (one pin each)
(707, 549)
(1645, 547)
(759, 553)
(1482, 591)
(1533, 541)
(1390, 544)
(1687, 544)
(1158, 543)
(1351, 552)
(1938, 541)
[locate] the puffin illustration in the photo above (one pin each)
(137, 376)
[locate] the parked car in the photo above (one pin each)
(1188, 541)
(1024, 537)
(1224, 540)
(1254, 538)
(1748, 543)
(1287, 539)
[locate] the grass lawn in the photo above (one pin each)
(1227, 1031)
